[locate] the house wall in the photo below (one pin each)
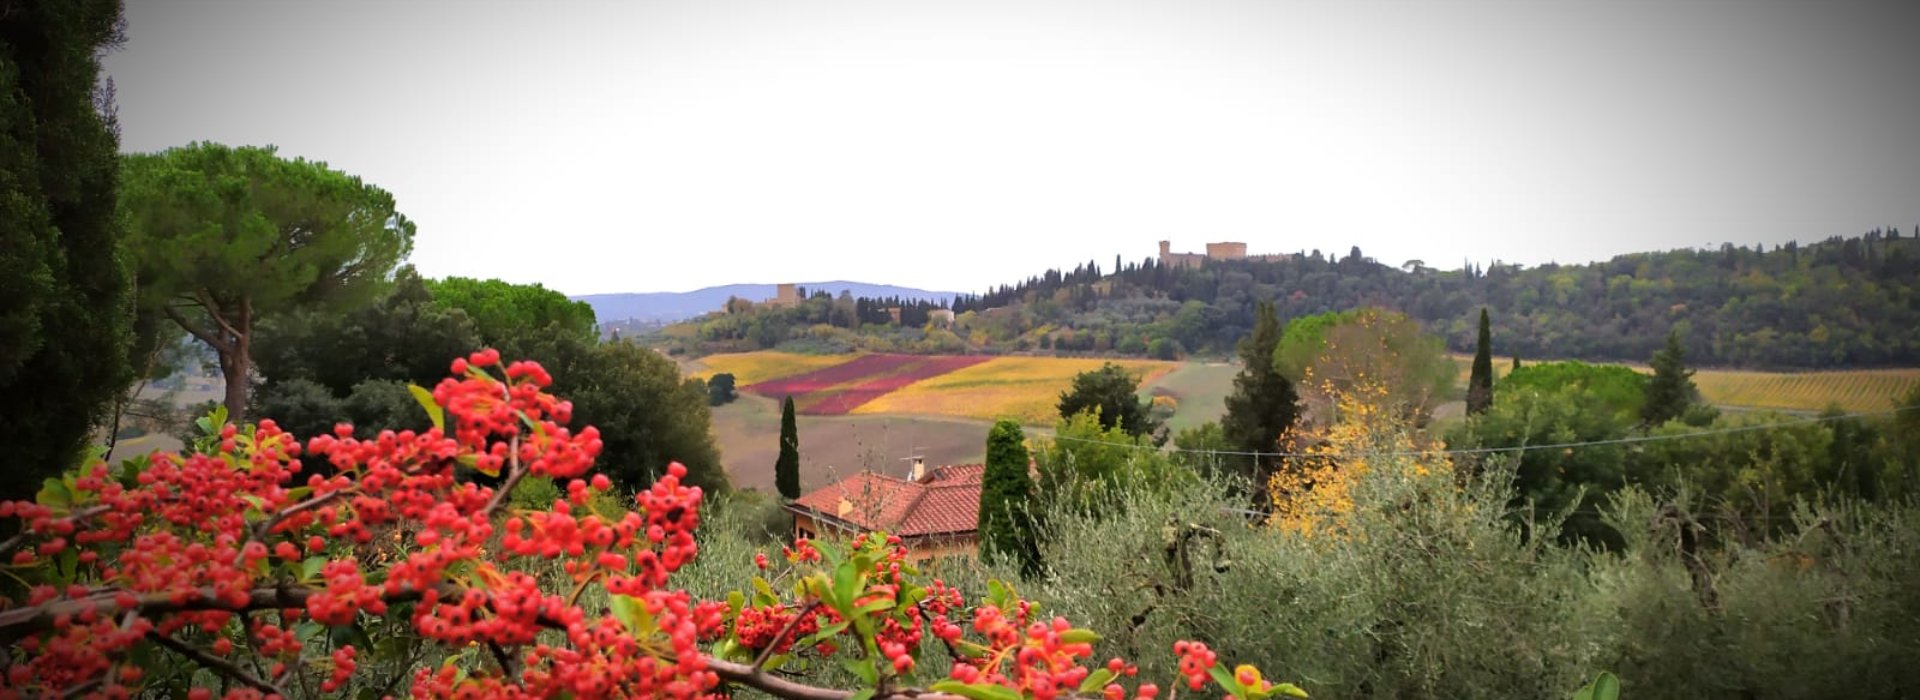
(1227, 251)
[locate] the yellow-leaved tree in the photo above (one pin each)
(1313, 493)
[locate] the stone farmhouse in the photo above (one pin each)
(934, 512)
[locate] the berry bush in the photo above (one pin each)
(224, 570)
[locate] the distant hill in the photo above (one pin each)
(667, 307)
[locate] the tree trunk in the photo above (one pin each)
(237, 365)
(234, 367)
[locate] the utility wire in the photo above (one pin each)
(1493, 450)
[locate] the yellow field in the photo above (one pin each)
(1024, 388)
(752, 367)
(1862, 390)
(1857, 390)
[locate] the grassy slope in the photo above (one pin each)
(831, 447)
(1200, 387)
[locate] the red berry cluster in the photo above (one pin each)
(757, 627)
(1195, 662)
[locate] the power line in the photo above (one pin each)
(1492, 450)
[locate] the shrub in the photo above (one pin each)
(211, 568)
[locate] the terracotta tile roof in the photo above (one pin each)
(956, 473)
(945, 501)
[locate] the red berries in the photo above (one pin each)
(1195, 661)
(240, 547)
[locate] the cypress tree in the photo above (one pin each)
(1005, 526)
(1671, 391)
(1480, 382)
(786, 469)
(65, 313)
(1263, 404)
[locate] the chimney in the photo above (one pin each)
(919, 470)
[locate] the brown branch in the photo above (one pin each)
(216, 663)
(953, 652)
(19, 622)
(14, 542)
(265, 527)
(219, 344)
(515, 473)
(500, 656)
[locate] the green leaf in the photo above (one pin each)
(67, 565)
(763, 593)
(632, 613)
(1226, 680)
(824, 634)
(1288, 689)
(307, 631)
(1604, 687)
(735, 601)
(975, 691)
(54, 494)
(1096, 680)
(425, 399)
(847, 580)
(998, 593)
(310, 568)
(1079, 636)
(862, 667)
(874, 606)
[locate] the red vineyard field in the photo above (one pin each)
(841, 388)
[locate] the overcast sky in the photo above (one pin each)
(953, 145)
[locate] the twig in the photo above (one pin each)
(75, 517)
(216, 663)
(953, 652)
(265, 527)
(500, 655)
(19, 622)
(515, 473)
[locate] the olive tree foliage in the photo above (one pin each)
(1434, 591)
(63, 292)
(226, 238)
(1093, 466)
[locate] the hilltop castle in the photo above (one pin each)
(1230, 250)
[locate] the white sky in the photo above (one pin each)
(953, 145)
